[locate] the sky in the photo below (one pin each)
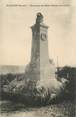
(16, 34)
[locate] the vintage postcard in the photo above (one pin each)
(37, 58)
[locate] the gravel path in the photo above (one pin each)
(8, 109)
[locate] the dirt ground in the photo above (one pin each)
(64, 109)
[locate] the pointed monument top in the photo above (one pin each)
(39, 18)
(39, 21)
(39, 14)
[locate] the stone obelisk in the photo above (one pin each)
(39, 67)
